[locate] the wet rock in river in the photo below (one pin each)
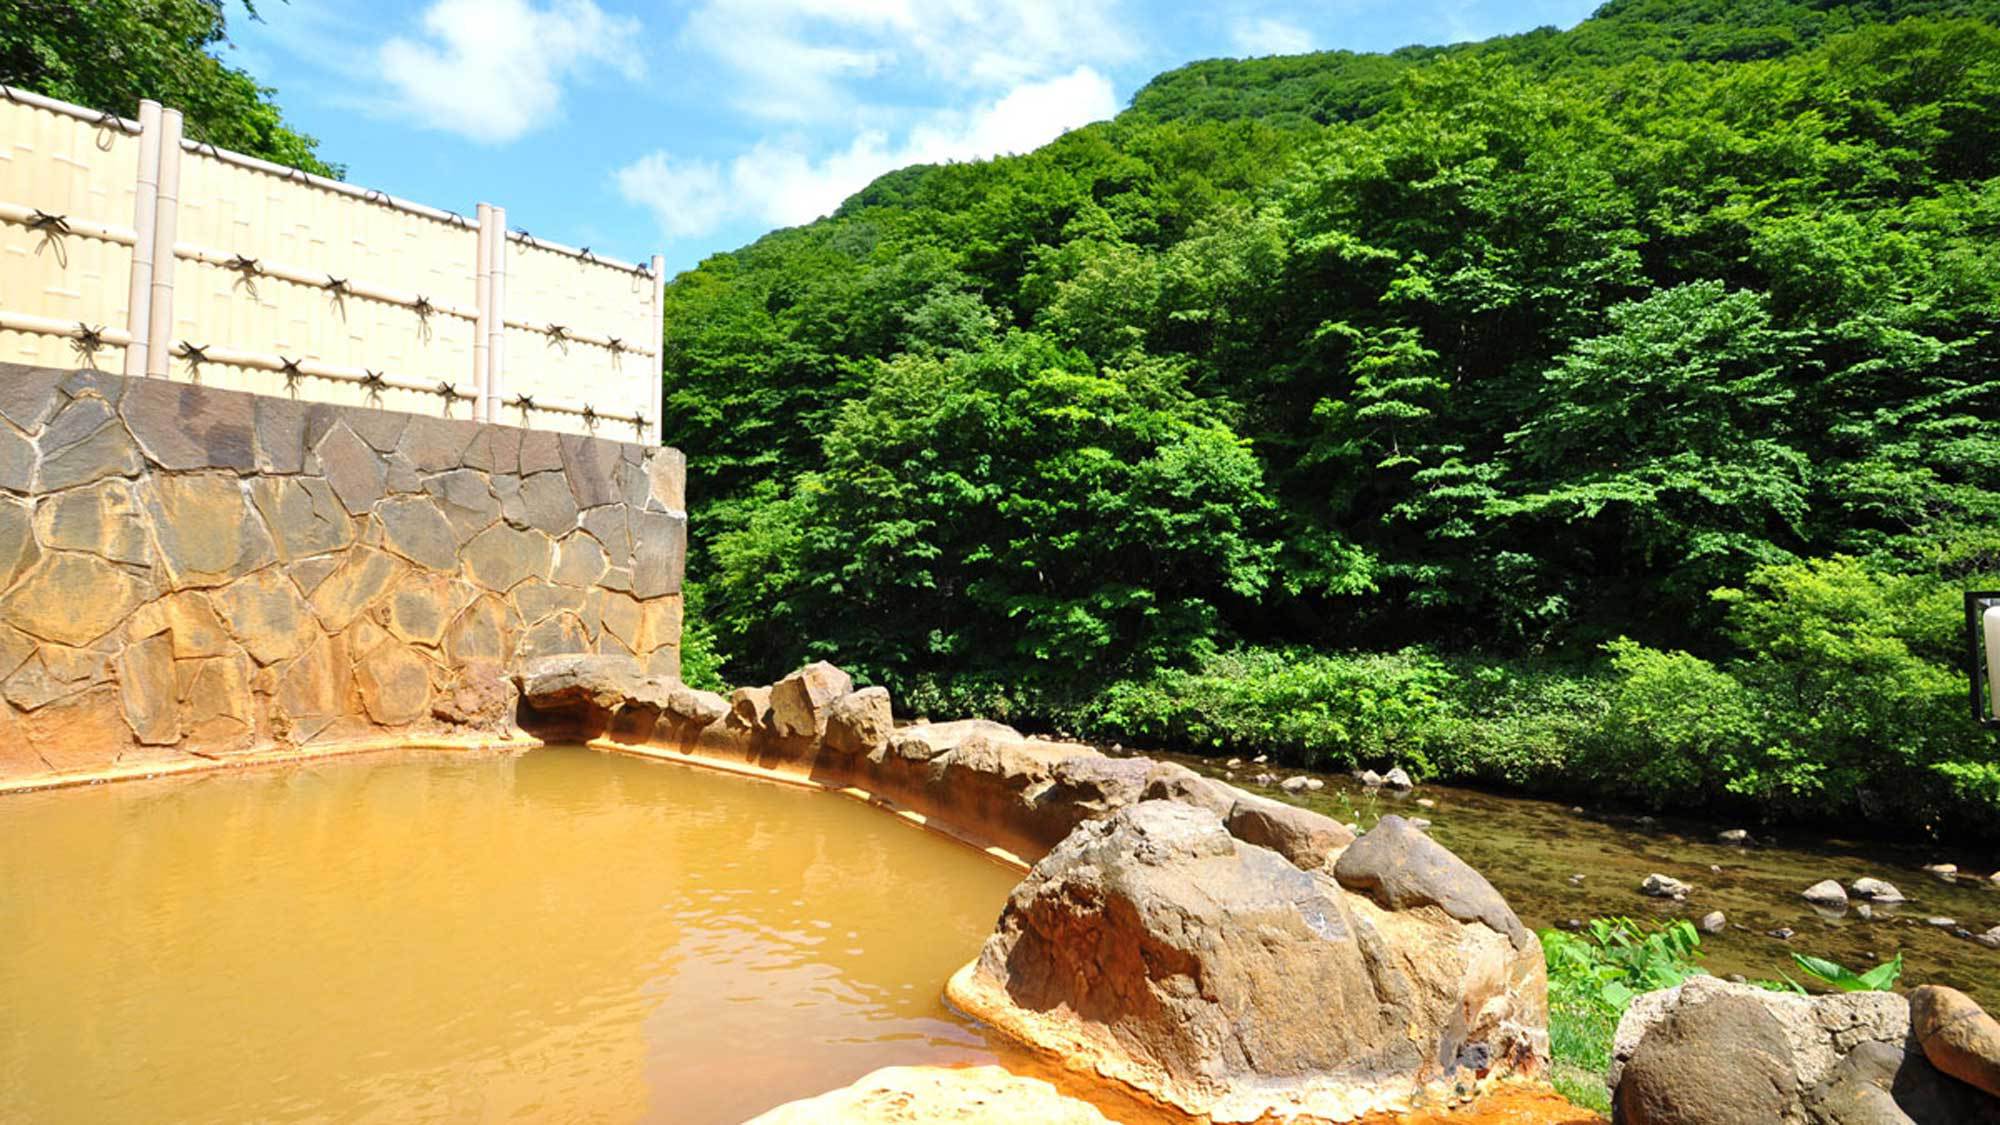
(1864, 912)
(1875, 890)
(1369, 778)
(1826, 892)
(1782, 933)
(1941, 922)
(1293, 785)
(1426, 803)
(1314, 785)
(1946, 871)
(1714, 922)
(1990, 939)
(1398, 779)
(1737, 836)
(1657, 885)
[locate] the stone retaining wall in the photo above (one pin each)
(189, 573)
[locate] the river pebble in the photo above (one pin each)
(1826, 892)
(1657, 885)
(1713, 922)
(1875, 890)
(1738, 836)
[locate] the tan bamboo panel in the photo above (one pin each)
(63, 166)
(244, 211)
(308, 388)
(253, 313)
(545, 287)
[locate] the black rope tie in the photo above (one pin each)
(195, 355)
(54, 229)
(246, 273)
(87, 342)
(423, 308)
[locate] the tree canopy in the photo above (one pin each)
(108, 54)
(1509, 349)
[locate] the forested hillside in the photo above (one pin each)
(1608, 410)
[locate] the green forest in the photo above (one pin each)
(1606, 412)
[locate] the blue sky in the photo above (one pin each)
(689, 126)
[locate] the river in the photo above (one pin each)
(1531, 849)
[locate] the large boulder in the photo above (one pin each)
(1401, 868)
(1723, 1061)
(860, 722)
(917, 1095)
(1958, 1037)
(801, 703)
(1307, 838)
(580, 683)
(479, 696)
(926, 741)
(1155, 948)
(1710, 1052)
(1878, 1084)
(750, 710)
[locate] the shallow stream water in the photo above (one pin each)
(1530, 849)
(557, 934)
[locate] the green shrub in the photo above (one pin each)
(1676, 725)
(1330, 710)
(1849, 668)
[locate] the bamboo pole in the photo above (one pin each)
(496, 308)
(299, 275)
(84, 228)
(69, 329)
(482, 290)
(659, 392)
(68, 109)
(160, 310)
(145, 211)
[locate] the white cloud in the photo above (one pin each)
(793, 56)
(493, 70)
(1266, 36)
(777, 183)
